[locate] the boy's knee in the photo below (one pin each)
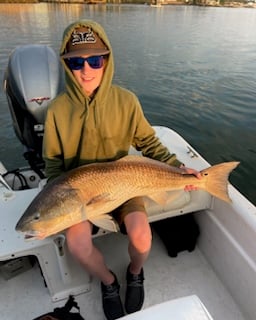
(141, 240)
(79, 241)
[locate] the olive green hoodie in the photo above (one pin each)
(81, 130)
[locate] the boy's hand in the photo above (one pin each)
(195, 173)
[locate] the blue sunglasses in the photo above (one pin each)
(77, 63)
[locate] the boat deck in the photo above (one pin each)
(26, 297)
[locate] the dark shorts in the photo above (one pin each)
(132, 205)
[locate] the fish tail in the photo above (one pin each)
(217, 179)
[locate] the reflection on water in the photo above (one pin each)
(193, 68)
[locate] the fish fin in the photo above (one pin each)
(106, 222)
(138, 158)
(101, 198)
(83, 212)
(132, 157)
(163, 198)
(173, 195)
(145, 160)
(159, 197)
(217, 179)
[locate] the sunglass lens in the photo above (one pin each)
(77, 63)
(95, 62)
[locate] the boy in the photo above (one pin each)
(96, 121)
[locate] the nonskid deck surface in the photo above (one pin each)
(25, 296)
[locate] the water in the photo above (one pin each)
(193, 68)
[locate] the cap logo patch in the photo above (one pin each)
(83, 37)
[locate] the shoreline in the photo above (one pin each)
(154, 3)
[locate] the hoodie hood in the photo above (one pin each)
(73, 89)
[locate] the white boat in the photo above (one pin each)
(217, 280)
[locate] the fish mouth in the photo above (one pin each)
(33, 235)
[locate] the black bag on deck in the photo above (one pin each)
(178, 233)
(63, 313)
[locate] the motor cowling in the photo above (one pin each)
(32, 79)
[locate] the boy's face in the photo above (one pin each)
(89, 78)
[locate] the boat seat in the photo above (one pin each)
(190, 307)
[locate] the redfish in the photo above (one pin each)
(92, 191)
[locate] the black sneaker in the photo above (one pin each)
(111, 301)
(135, 291)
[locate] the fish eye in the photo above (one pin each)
(37, 216)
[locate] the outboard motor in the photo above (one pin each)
(32, 79)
